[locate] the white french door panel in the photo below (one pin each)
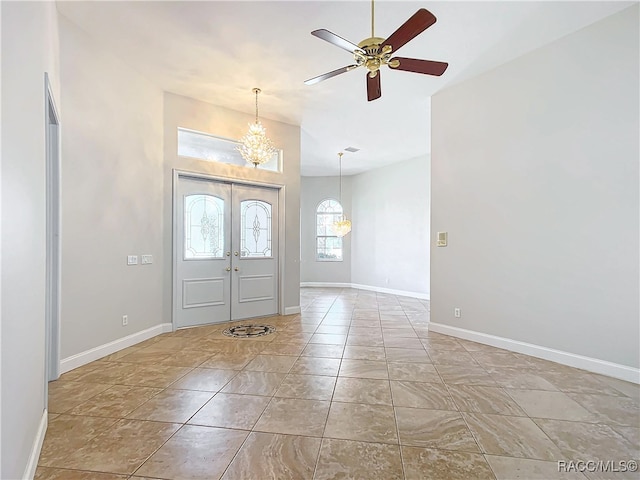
(203, 256)
(254, 290)
(226, 251)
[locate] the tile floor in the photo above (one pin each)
(355, 387)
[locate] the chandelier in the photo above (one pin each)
(342, 226)
(255, 147)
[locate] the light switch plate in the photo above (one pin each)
(443, 239)
(132, 259)
(147, 259)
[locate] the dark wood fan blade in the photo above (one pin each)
(428, 67)
(336, 40)
(373, 87)
(324, 76)
(417, 23)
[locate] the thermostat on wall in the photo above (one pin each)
(442, 239)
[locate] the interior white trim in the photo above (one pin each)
(292, 310)
(32, 463)
(594, 365)
(88, 356)
(391, 291)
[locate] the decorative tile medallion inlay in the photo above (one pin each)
(247, 331)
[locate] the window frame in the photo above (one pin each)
(334, 236)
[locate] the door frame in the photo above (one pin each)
(53, 237)
(280, 188)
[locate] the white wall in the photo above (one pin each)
(390, 235)
(313, 190)
(535, 177)
(204, 117)
(112, 195)
(29, 49)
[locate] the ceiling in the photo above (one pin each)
(218, 51)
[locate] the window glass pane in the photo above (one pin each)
(329, 245)
(255, 228)
(215, 149)
(204, 226)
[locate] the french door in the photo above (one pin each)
(226, 261)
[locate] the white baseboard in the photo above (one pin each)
(32, 464)
(594, 365)
(82, 358)
(292, 310)
(391, 291)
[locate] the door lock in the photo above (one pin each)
(236, 269)
(228, 269)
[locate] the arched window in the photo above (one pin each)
(328, 244)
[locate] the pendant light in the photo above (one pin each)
(341, 226)
(255, 147)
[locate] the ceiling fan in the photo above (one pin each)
(374, 52)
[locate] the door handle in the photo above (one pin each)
(228, 254)
(228, 269)
(236, 269)
(236, 253)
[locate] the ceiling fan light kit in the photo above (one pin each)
(255, 147)
(375, 52)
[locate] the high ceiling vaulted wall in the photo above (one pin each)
(217, 51)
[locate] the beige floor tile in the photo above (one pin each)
(145, 355)
(421, 395)
(364, 369)
(293, 349)
(310, 387)
(511, 436)
(328, 339)
(578, 381)
(435, 429)
(273, 456)
(365, 341)
(546, 404)
(194, 453)
(511, 468)
(358, 352)
(176, 406)
(432, 464)
(519, 378)
(205, 379)
(225, 361)
(408, 343)
(157, 376)
(612, 410)
(588, 441)
(344, 459)
(271, 363)
(483, 399)
(109, 373)
(66, 433)
(417, 372)
(186, 358)
(316, 366)
(469, 375)
(367, 423)
(117, 402)
(121, 448)
(63, 395)
(362, 390)
(47, 473)
(333, 329)
(407, 355)
(452, 357)
(294, 416)
(230, 410)
(254, 383)
(324, 351)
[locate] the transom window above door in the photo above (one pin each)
(205, 146)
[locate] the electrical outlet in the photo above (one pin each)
(457, 313)
(125, 320)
